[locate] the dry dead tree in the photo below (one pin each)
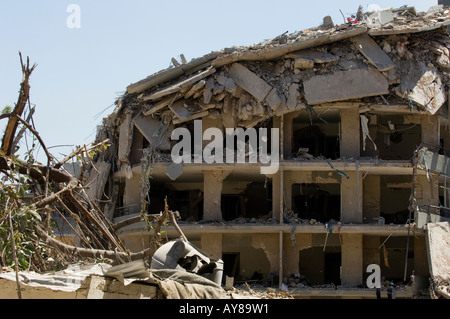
(55, 190)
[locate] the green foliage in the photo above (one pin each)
(7, 109)
(24, 217)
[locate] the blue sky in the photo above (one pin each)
(81, 72)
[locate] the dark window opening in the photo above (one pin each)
(332, 271)
(255, 201)
(316, 135)
(394, 198)
(319, 268)
(233, 207)
(394, 139)
(321, 202)
(313, 141)
(230, 266)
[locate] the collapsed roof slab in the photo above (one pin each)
(180, 85)
(370, 49)
(345, 85)
(276, 52)
(249, 81)
(172, 73)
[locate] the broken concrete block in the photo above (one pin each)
(303, 64)
(160, 105)
(273, 99)
(345, 85)
(443, 55)
(221, 79)
(125, 138)
(152, 130)
(422, 85)
(195, 88)
(294, 93)
(249, 81)
(385, 16)
(327, 23)
(181, 85)
(316, 56)
(180, 109)
(218, 89)
(283, 109)
(207, 95)
(230, 86)
(370, 49)
(97, 180)
(174, 171)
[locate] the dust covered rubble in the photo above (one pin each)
(404, 62)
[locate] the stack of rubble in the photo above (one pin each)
(371, 61)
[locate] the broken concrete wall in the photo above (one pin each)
(252, 257)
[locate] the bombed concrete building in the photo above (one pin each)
(301, 160)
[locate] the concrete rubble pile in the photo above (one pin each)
(374, 63)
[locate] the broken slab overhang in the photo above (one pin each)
(345, 85)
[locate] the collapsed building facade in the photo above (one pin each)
(352, 105)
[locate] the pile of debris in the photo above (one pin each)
(373, 61)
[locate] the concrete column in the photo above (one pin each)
(430, 130)
(350, 133)
(276, 195)
(352, 260)
(351, 198)
(211, 245)
(212, 190)
(371, 253)
(287, 190)
(132, 194)
(288, 133)
(371, 198)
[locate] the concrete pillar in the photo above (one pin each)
(371, 198)
(352, 260)
(132, 194)
(430, 130)
(288, 133)
(287, 189)
(212, 190)
(351, 198)
(276, 194)
(211, 245)
(371, 253)
(350, 133)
